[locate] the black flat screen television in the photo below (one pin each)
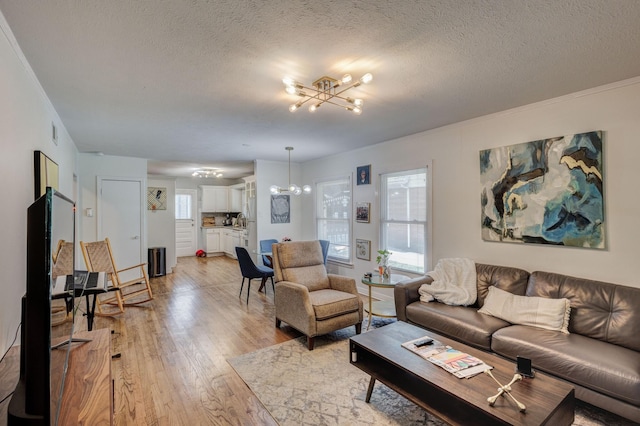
(37, 397)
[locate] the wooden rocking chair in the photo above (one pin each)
(62, 265)
(98, 257)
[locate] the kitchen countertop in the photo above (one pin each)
(224, 227)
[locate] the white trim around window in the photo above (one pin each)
(405, 213)
(333, 206)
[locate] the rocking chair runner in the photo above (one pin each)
(98, 257)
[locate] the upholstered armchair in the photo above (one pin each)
(306, 297)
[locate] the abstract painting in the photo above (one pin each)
(545, 192)
(280, 209)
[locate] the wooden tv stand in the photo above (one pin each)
(87, 397)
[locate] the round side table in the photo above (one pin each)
(381, 308)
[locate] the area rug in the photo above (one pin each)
(321, 387)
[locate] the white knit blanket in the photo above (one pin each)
(454, 283)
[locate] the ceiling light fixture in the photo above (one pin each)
(326, 90)
(291, 188)
(207, 173)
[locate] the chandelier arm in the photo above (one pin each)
(348, 88)
(308, 98)
(339, 105)
(318, 92)
(342, 97)
(316, 97)
(325, 96)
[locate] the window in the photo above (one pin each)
(403, 218)
(333, 217)
(183, 206)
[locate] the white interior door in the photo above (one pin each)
(120, 219)
(186, 222)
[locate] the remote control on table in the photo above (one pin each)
(423, 342)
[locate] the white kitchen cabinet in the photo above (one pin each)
(221, 199)
(228, 246)
(215, 198)
(230, 239)
(235, 200)
(250, 187)
(212, 241)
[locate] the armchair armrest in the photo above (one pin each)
(406, 292)
(342, 283)
(294, 307)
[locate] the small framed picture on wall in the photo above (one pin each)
(363, 175)
(363, 249)
(362, 212)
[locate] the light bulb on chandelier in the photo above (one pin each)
(326, 90)
(292, 188)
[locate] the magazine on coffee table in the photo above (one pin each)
(458, 363)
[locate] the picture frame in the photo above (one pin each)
(543, 207)
(156, 198)
(363, 175)
(45, 173)
(362, 212)
(363, 249)
(280, 209)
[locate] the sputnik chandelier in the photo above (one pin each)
(207, 173)
(326, 90)
(292, 188)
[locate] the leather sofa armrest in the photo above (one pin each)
(342, 283)
(406, 292)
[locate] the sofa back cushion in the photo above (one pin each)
(603, 311)
(509, 279)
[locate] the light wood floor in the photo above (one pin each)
(173, 369)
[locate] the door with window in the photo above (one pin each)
(186, 241)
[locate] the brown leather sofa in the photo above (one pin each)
(600, 356)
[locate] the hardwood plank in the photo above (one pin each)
(173, 367)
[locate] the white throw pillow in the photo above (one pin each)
(550, 314)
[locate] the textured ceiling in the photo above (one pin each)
(199, 82)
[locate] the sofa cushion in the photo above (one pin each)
(550, 314)
(609, 369)
(462, 323)
(332, 303)
(600, 310)
(506, 278)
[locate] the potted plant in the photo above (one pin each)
(383, 263)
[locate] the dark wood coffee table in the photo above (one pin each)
(379, 353)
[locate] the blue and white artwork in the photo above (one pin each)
(545, 192)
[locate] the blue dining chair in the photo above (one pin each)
(250, 271)
(325, 249)
(265, 246)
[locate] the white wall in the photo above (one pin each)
(454, 153)
(277, 173)
(26, 115)
(161, 224)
